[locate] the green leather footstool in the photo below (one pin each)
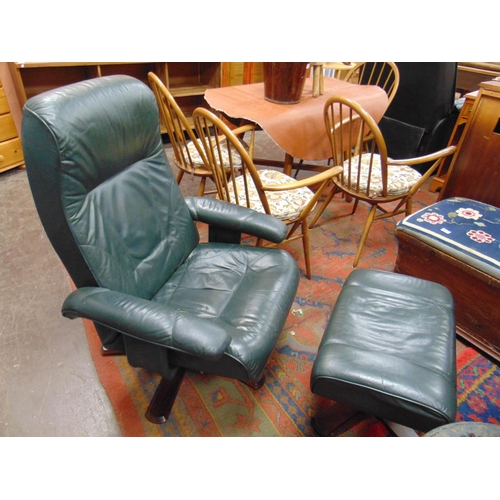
(388, 350)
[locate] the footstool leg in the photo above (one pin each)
(401, 430)
(336, 419)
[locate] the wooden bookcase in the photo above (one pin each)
(187, 81)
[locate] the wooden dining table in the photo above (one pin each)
(298, 129)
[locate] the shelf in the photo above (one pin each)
(187, 81)
(189, 91)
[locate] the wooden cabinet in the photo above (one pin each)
(438, 180)
(241, 73)
(11, 152)
(475, 169)
(187, 81)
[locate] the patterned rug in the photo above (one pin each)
(215, 406)
(478, 388)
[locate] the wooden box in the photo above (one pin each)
(476, 294)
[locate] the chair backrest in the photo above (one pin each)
(103, 187)
(338, 70)
(178, 128)
(348, 126)
(383, 74)
(233, 170)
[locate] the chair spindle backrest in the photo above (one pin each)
(228, 160)
(348, 125)
(176, 123)
(383, 74)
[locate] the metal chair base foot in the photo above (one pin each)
(163, 400)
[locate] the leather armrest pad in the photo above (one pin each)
(236, 218)
(148, 321)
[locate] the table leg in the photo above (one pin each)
(288, 164)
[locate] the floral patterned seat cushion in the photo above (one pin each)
(468, 230)
(399, 179)
(197, 160)
(284, 205)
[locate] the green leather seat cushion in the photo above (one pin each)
(389, 350)
(243, 289)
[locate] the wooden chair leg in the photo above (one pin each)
(366, 230)
(161, 405)
(201, 188)
(180, 175)
(409, 207)
(306, 244)
(325, 203)
(355, 205)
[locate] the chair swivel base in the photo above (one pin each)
(163, 399)
(255, 385)
(111, 352)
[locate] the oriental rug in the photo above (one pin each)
(215, 406)
(478, 388)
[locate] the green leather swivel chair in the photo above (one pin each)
(114, 213)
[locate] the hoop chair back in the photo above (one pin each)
(383, 74)
(188, 155)
(266, 191)
(368, 175)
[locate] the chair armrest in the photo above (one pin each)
(424, 159)
(244, 128)
(148, 321)
(435, 157)
(237, 219)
